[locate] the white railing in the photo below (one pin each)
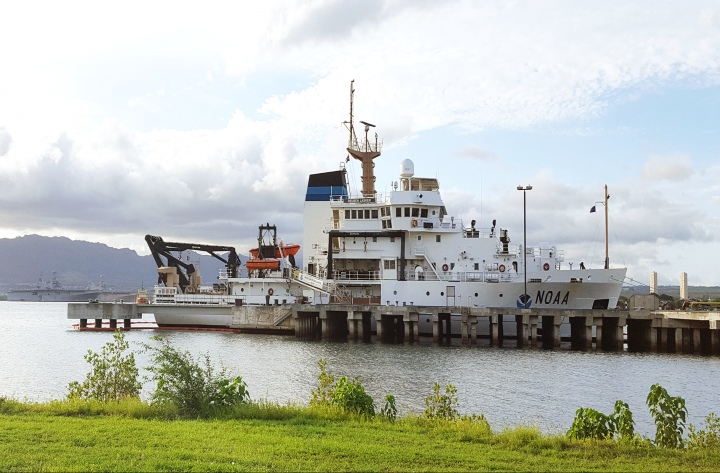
(365, 145)
(355, 275)
(332, 224)
(309, 280)
(463, 276)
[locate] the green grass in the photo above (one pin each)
(134, 436)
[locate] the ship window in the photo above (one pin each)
(389, 264)
(407, 211)
(415, 212)
(452, 265)
(419, 237)
(384, 223)
(347, 215)
(374, 239)
(367, 213)
(477, 266)
(392, 239)
(360, 213)
(374, 213)
(354, 214)
(387, 212)
(389, 223)
(382, 211)
(423, 213)
(398, 212)
(433, 212)
(437, 238)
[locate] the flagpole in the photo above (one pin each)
(607, 255)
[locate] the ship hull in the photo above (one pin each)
(50, 295)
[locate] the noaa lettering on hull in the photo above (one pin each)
(397, 248)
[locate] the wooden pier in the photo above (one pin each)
(647, 330)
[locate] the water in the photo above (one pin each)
(40, 354)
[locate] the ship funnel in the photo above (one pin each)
(407, 168)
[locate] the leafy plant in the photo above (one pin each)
(709, 437)
(113, 375)
(389, 411)
(193, 386)
(622, 420)
(591, 424)
(326, 390)
(442, 406)
(669, 414)
(350, 396)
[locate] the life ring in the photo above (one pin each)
(445, 267)
(546, 266)
(501, 268)
(271, 292)
(414, 223)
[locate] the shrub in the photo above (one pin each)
(623, 422)
(326, 391)
(669, 414)
(350, 396)
(709, 437)
(442, 406)
(389, 411)
(592, 424)
(193, 386)
(113, 375)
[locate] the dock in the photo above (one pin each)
(643, 330)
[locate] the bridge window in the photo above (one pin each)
(415, 212)
(367, 214)
(407, 211)
(374, 213)
(354, 214)
(347, 215)
(360, 213)
(398, 212)
(423, 213)
(382, 211)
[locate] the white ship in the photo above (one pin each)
(400, 248)
(52, 291)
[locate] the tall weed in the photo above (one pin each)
(669, 414)
(113, 374)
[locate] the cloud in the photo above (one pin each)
(676, 167)
(5, 141)
(473, 151)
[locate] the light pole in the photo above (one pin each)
(525, 297)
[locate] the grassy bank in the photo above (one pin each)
(134, 436)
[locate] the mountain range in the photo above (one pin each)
(78, 263)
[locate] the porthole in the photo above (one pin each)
(500, 295)
(442, 293)
(395, 293)
(427, 293)
(476, 294)
(427, 320)
(242, 289)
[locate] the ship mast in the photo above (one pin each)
(364, 151)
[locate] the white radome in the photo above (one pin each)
(407, 168)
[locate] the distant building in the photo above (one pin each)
(684, 293)
(653, 282)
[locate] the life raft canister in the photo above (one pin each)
(414, 223)
(271, 292)
(445, 267)
(501, 268)
(546, 266)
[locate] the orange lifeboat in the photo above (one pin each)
(267, 263)
(287, 250)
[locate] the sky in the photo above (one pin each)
(200, 121)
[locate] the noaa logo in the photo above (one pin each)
(524, 302)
